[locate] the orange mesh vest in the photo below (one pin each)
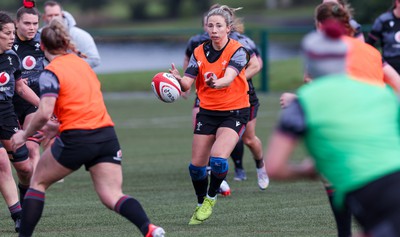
(363, 62)
(232, 97)
(80, 102)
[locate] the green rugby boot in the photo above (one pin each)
(205, 210)
(194, 220)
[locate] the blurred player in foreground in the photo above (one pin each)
(351, 131)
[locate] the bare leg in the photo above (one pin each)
(107, 180)
(46, 173)
(8, 188)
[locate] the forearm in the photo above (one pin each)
(296, 171)
(253, 67)
(222, 83)
(37, 122)
(27, 93)
(391, 77)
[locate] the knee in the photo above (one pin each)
(20, 155)
(247, 140)
(4, 161)
(33, 149)
(106, 203)
(219, 166)
(251, 141)
(110, 200)
(197, 173)
(23, 168)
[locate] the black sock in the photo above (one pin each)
(132, 210)
(259, 163)
(237, 155)
(15, 211)
(200, 187)
(22, 191)
(215, 183)
(32, 211)
(342, 217)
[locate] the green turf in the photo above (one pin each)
(156, 142)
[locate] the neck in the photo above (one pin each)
(396, 11)
(50, 56)
(21, 37)
(220, 44)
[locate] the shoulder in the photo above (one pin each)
(37, 37)
(386, 16)
(364, 47)
(199, 38)
(76, 29)
(11, 53)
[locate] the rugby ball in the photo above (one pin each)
(166, 87)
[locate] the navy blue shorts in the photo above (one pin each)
(376, 206)
(208, 121)
(9, 125)
(24, 109)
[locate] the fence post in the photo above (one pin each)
(264, 55)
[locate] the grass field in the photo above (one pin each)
(156, 142)
(280, 78)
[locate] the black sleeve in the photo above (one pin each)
(292, 120)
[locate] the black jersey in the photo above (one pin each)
(10, 71)
(386, 29)
(32, 60)
(195, 41)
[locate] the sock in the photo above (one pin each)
(15, 211)
(22, 191)
(342, 217)
(259, 163)
(33, 208)
(215, 183)
(200, 187)
(237, 155)
(219, 170)
(132, 210)
(199, 177)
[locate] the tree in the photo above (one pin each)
(92, 4)
(366, 11)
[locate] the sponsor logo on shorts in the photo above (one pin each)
(118, 157)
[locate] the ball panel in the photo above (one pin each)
(166, 87)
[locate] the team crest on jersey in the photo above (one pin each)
(199, 63)
(10, 60)
(391, 23)
(4, 78)
(397, 36)
(28, 62)
(224, 65)
(16, 46)
(37, 45)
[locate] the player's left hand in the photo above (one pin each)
(18, 139)
(210, 79)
